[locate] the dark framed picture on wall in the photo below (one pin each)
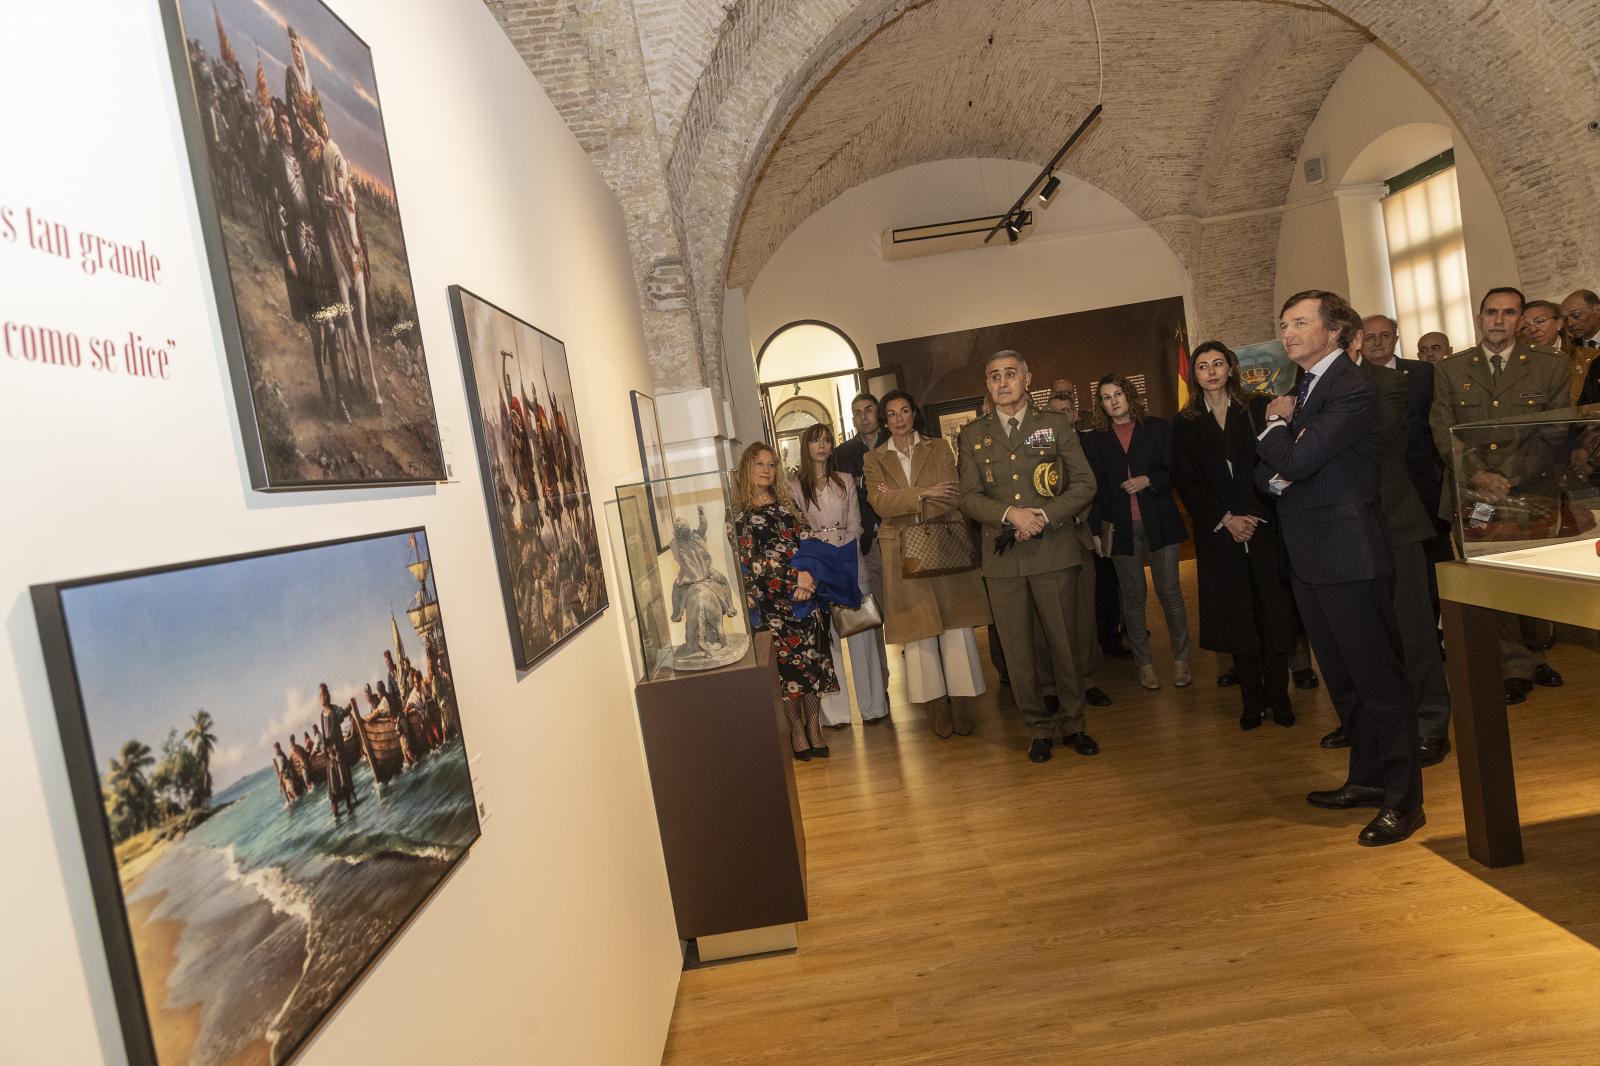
(279, 104)
(535, 484)
(266, 758)
(880, 381)
(948, 418)
(653, 459)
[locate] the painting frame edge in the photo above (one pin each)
(217, 271)
(94, 830)
(458, 317)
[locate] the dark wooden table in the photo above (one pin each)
(1471, 596)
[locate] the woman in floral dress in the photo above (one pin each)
(769, 531)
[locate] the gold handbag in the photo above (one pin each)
(848, 621)
(932, 549)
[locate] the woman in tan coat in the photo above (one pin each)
(911, 478)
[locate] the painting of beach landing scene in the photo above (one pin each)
(267, 759)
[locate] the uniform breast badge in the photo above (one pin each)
(1042, 439)
(1047, 479)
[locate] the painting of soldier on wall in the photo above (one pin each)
(541, 516)
(297, 200)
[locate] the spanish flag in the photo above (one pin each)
(1183, 368)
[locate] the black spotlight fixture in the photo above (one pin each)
(1050, 189)
(1013, 228)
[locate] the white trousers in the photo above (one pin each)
(944, 665)
(866, 675)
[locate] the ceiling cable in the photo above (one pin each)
(1099, 53)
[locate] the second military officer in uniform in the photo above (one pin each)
(1498, 378)
(1024, 479)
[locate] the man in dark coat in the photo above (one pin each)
(1319, 455)
(1410, 528)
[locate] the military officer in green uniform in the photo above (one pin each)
(1500, 377)
(1024, 480)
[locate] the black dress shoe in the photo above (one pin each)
(1227, 680)
(1250, 720)
(1336, 739)
(1096, 697)
(1306, 678)
(1284, 716)
(1391, 827)
(1432, 750)
(1544, 675)
(1542, 645)
(1347, 796)
(1517, 689)
(820, 753)
(1082, 743)
(1039, 750)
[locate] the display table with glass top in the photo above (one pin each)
(716, 740)
(1527, 524)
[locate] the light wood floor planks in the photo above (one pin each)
(1173, 900)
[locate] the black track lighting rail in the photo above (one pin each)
(1047, 173)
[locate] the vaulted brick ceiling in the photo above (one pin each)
(1192, 91)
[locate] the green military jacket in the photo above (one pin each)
(1533, 380)
(1041, 466)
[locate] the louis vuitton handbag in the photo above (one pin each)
(848, 621)
(942, 546)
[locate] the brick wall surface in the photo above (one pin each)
(723, 124)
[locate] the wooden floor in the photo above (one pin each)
(1173, 900)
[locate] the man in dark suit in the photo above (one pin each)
(1409, 526)
(850, 457)
(1422, 458)
(1319, 454)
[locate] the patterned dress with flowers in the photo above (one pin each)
(768, 537)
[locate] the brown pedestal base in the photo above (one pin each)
(717, 747)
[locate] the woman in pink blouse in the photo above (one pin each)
(826, 496)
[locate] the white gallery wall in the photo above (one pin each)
(1087, 250)
(1373, 99)
(554, 941)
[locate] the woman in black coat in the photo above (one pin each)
(1244, 608)
(1131, 453)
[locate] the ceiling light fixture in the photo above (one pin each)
(1047, 177)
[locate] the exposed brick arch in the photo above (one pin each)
(722, 131)
(1522, 81)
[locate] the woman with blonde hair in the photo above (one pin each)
(769, 530)
(826, 497)
(912, 479)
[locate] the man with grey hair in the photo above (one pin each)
(1025, 480)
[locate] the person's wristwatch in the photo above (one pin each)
(1273, 420)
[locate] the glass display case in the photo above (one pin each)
(1527, 492)
(684, 596)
